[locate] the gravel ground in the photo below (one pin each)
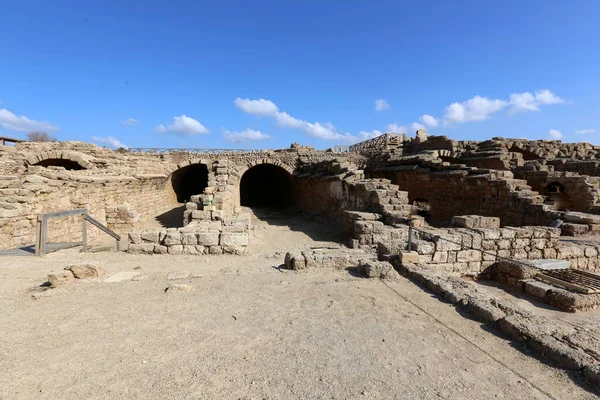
(249, 330)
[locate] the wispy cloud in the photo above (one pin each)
(555, 134)
(585, 131)
(130, 122)
(244, 136)
(381, 104)
(531, 102)
(21, 123)
(110, 141)
(182, 126)
(262, 107)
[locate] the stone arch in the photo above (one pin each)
(190, 178)
(528, 152)
(266, 184)
(67, 160)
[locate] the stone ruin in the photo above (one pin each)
(490, 209)
(475, 202)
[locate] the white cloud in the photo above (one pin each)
(585, 131)
(260, 107)
(395, 128)
(481, 108)
(110, 141)
(475, 109)
(366, 135)
(183, 125)
(531, 102)
(554, 134)
(21, 123)
(381, 104)
(130, 122)
(429, 120)
(415, 125)
(244, 136)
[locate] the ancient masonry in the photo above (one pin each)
(192, 202)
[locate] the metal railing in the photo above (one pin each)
(41, 232)
(165, 150)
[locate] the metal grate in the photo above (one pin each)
(572, 279)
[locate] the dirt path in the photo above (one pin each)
(249, 330)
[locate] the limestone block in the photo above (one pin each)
(85, 271)
(189, 239)
(60, 278)
(234, 239)
(176, 249)
(172, 238)
(208, 238)
(410, 257)
(160, 249)
(200, 249)
(142, 248)
(190, 249)
(191, 206)
(201, 215)
(149, 236)
(215, 250)
(294, 261)
(237, 250)
(134, 237)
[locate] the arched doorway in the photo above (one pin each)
(60, 162)
(189, 180)
(266, 185)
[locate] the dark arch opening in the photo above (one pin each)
(451, 160)
(189, 180)
(266, 185)
(60, 162)
(555, 188)
(527, 155)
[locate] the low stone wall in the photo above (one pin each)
(212, 235)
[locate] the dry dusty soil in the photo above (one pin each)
(249, 330)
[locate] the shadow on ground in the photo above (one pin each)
(319, 228)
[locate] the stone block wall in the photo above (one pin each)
(460, 191)
(212, 234)
(43, 190)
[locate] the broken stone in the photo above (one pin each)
(60, 278)
(179, 275)
(179, 287)
(85, 271)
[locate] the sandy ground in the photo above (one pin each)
(249, 330)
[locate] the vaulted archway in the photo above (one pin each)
(189, 180)
(266, 185)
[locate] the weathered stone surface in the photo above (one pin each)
(179, 287)
(179, 275)
(60, 278)
(410, 257)
(144, 248)
(85, 271)
(234, 239)
(208, 238)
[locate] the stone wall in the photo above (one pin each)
(577, 192)
(209, 233)
(44, 190)
(459, 191)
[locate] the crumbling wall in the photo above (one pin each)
(459, 191)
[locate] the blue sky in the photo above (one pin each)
(264, 74)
